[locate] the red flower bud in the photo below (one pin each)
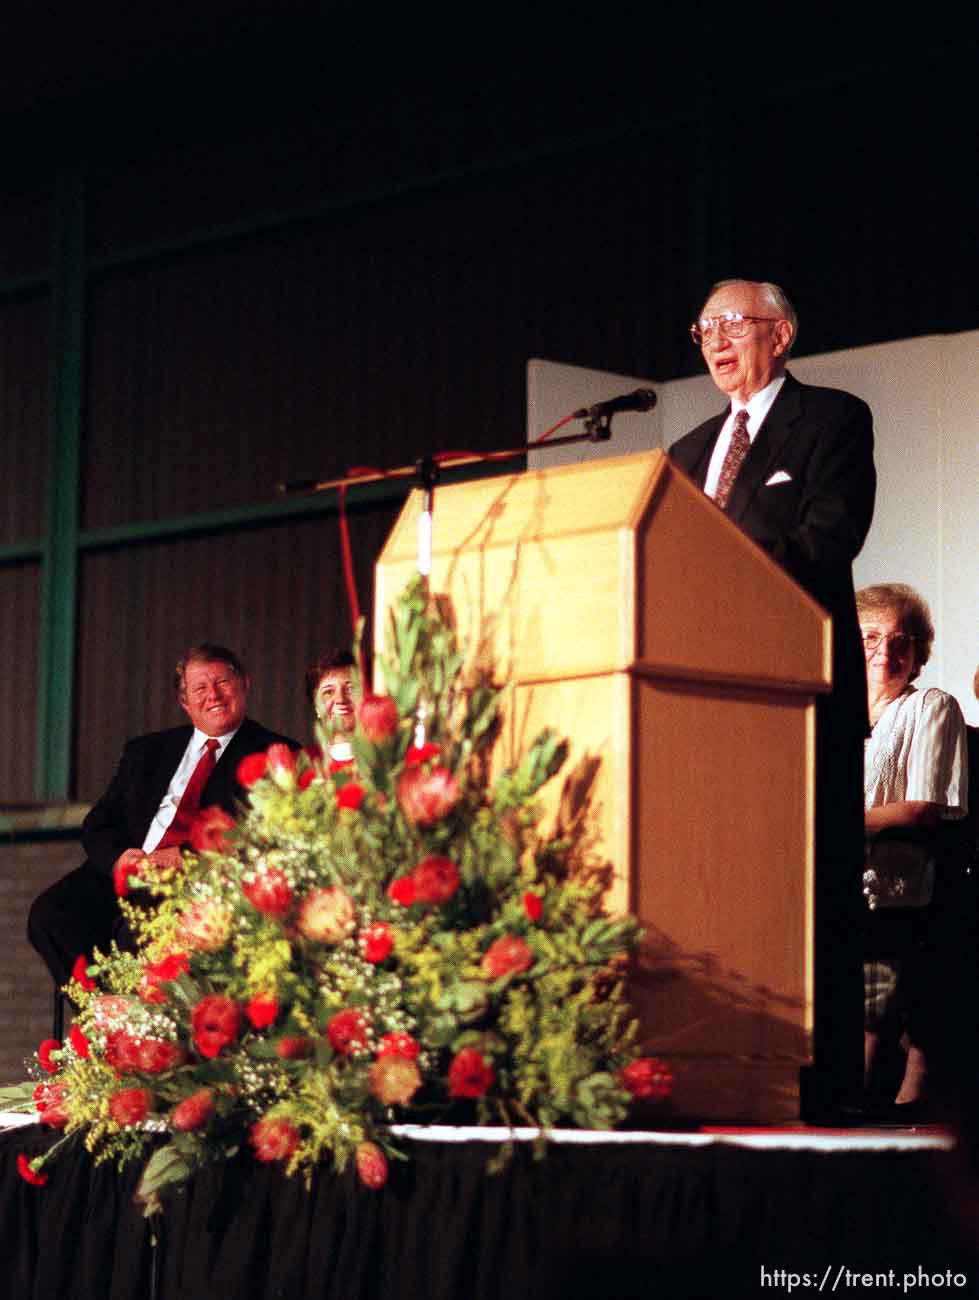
(130, 1105)
(350, 796)
(209, 830)
(347, 1031)
(647, 1078)
(262, 1010)
(508, 955)
(376, 942)
(216, 1023)
(402, 891)
(470, 1074)
(294, 1049)
(269, 892)
(251, 769)
(533, 905)
(436, 880)
(79, 973)
(426, 797)
(29, 1174)
(79, 1042)
(193, 1112)
(372, 1165)
(378, 718)
(398, 1044)
(44, 1055)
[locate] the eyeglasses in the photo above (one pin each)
(731, 324)
(899, 642)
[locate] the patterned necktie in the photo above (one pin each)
(736, 452)
(190, 801)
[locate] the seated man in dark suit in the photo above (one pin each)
(793, 466)
(161, 782)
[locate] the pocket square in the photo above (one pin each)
(779, 476)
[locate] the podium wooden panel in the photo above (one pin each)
(633, 616)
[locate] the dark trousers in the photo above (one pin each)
(76, 914)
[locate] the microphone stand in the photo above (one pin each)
(597, 430)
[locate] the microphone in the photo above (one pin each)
(643, 399)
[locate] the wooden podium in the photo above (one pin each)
(636, 619)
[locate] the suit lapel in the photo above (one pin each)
(699, 460)
(767, 448)
(160, 774)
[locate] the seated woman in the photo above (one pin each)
(330, 691)
(915, 774)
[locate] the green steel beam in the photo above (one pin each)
(59, 566)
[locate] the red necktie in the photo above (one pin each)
(190, 801)
(736, 452)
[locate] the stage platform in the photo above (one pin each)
(607, 1216)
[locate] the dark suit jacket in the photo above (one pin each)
(122, 816)
(814, 523)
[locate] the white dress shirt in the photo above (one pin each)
(196, 747)
(758, 406)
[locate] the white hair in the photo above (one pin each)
(776, 298)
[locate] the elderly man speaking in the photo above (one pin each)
(793, 466)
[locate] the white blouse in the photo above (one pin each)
(918, 750)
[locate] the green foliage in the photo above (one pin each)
(424, 947)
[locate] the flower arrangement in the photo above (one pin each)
(387, 939)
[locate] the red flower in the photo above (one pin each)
(273, 1139)
(44, 1055)
(262, 1010)
(251, 769)
(347, 1031)
(398, 1044)
(436, 880)
(378, 718)
(209, 830)
(216, 1022)
(193, 1112)
(647, 1078)
(50, 1098)
(156, 1056)
(376, 942)
(420, 753)
(269, 892)
(338, 765)
(281, 758)
(130, 1105)
(470, 1074)
(121, 1052)
(402, 891)
(307, 777)
(79, 1042)
(372, 1165)
(29, 1174)
(351, 796)
(427, 797)
(294, 1049)
(508, 955)
(156, 974)
(79, 973)
(533, 905)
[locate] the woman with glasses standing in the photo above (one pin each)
(915, 777)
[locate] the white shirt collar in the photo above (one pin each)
(200, 738)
